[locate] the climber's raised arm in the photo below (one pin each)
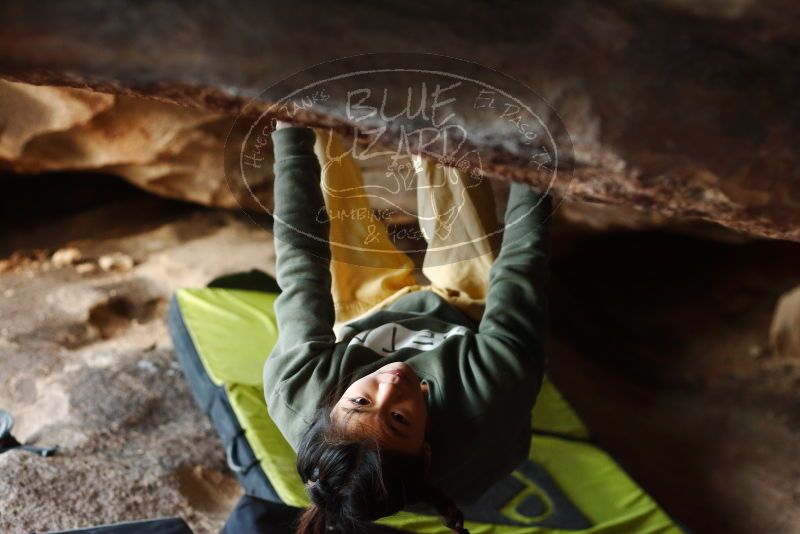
(304, 310)
(512, 330)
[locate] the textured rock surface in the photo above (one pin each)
(675, 108)
(784, 332)
(164, 148)
(665, 352)
(86, 362)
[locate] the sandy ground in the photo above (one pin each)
(86, 363)
(659, 341)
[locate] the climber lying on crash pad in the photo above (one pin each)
(393, 392)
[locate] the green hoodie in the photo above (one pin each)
(483, 377)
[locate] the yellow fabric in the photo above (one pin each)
(456, 213)
(366, 268)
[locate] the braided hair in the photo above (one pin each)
(352, 481)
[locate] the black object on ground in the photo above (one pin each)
(172, 525)
(9, 442)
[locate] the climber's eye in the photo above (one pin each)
(400, 418)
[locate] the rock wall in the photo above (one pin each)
(175, 151)
(167, 149)
(674, 108)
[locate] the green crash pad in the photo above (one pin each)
(568, 484)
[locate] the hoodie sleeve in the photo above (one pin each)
(511, 334)
(299, 367)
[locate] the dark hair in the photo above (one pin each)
(351, 481)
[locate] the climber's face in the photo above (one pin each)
(387, 405)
